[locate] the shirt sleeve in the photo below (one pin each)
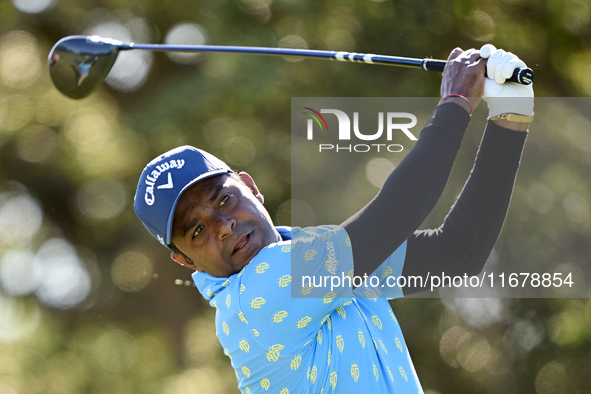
(289, 289)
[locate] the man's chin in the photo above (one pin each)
(255, 243)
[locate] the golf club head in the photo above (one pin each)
(79, 64)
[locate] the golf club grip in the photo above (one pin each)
(523, 76)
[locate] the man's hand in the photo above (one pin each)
(505, 97)
(464, 75)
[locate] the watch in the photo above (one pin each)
(513, 118)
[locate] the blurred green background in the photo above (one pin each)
(90, 303)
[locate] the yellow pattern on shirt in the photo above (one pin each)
(387, 272)
(314, 374)
(244, 346)
(328, 297)
(279, 316)
(274, 352)
(295, 363)
(242, 318)
(307, 289)
(361, 338)
(261, 268)
(256, 303)
(284, 281)
(383, 346)
(376, 321)
(351, 275)
(303, 322)
(246, 371)
(403, 373)
(340, 343)
(369, 294)
(310, 254)
(355, 372)
(333, 380)
(326, 235)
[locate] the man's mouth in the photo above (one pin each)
(241, 243)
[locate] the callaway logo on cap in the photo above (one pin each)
(164, 180)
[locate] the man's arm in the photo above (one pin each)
(464, 241)
(412, 190)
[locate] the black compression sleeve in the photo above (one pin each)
(462, 244)
(410, 192)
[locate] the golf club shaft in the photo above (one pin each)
(523, 76)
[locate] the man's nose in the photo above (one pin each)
(224, 226)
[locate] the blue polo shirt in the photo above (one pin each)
(283, 336)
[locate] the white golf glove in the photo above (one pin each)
(505, 97)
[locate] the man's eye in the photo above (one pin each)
(197, 231)
(224, 199)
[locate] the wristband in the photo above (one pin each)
(459, 95)
(513, 118)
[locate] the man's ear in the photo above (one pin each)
(248, 181)
(182, 260)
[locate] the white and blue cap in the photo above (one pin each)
(164, 180)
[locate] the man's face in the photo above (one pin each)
(220, 224)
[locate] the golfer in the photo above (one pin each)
(345, 340)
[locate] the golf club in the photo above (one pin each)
(79, 64)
